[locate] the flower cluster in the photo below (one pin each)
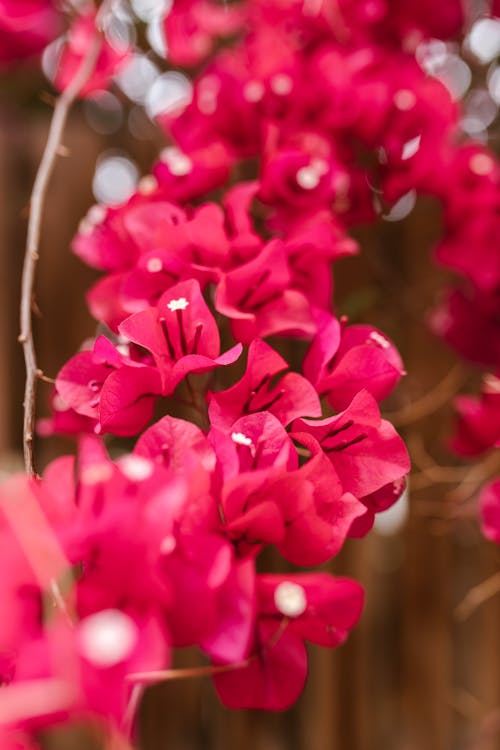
(224, 250)
(125, 560)
(332, 100)
(259, 465)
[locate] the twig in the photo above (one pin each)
(430, 402)
(31, 256)
(162, 675)
(477, 596)
(150, 678)
(475, 477)
(429, 471)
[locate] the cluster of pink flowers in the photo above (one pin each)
(316, 89)
(112, 564)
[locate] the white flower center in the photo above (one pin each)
(208, 91)
(147, 184)
(178, 163)
(404, 99)
(281, 84)
(97, 473)
(108, 637)
(168, 545)
(178, 304)
(136, 468)
(481, 164)
(290, 599)
(253, 91)
(308, 177)
(241, 439)
(154, 265)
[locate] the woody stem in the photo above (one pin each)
(37, 201)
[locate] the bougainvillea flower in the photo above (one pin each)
(482, 266)
(181, 334)
(63, 420)
(422, 118)
(257, 299)
(365, 450)
(258, 441)
(173, 248)
(185, 451)
(470, 183)
(108, 239)
(105, 301)
(229, 640)
(185, 176)
(109, 387)
(26, 27)
(197, 566)
(404, 23)
(179, 445)
(163, 226)
(274, 675)
(251, 516)
(252, 459)
(342, 360)
(468, 322)
(113, 644)
(112, 58)
(110, 501)
(377, 502)
(314, 241)
(192, 26)
(267, 385)
(489, 504)
(348, 87)
(318, 513)
(102, 240)
(292, 608)
(301, 175)
(324, 611)
(219, 111)
(477, 428)
(422, 18)
(245, 241)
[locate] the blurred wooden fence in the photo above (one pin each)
(411, 676)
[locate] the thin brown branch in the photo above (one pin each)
(477, 475)
(37, 201)
(162, 675)
(477, 596)
(431, 401)
(429, 471)
(150, 678)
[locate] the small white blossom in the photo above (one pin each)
(290, 599)
(178, 304)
